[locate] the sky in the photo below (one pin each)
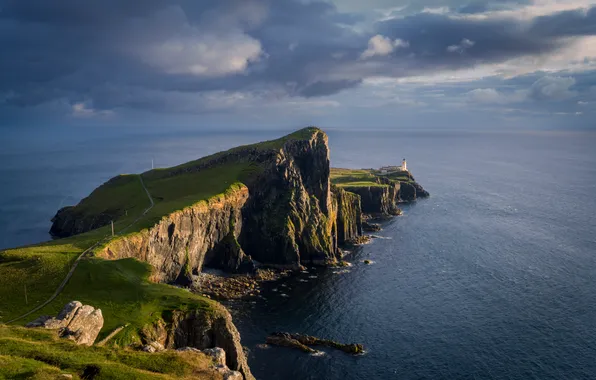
(465, 64)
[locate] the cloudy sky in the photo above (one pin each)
(280, 63)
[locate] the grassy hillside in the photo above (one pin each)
(354, 178)
(365, 177)
(40, 354)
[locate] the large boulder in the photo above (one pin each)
(77, 322)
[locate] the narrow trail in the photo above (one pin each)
(83, 254)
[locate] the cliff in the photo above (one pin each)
(183, 241)
(349, 215)
(380, 193)
(270, 202)
(380, 198)
(200, 329)
(410, 191)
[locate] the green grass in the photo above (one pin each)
(173, 193)
(121, 289)
(354, 178)
(398, 176)
(39, 269)
(118, 196)
(39, 354)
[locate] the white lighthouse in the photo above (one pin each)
(404, 166)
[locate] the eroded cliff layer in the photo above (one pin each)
(183, 241)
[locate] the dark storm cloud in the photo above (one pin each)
(569, 23)
(108, 52)
(484, 6)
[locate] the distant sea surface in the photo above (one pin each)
(492, 277)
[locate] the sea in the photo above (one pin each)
(492, 277)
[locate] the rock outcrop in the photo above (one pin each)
(349, 215)
(302, 342)
(410, 191)
(200, 330)
(77, 322)
(381, 199)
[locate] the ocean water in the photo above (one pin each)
(492, 277)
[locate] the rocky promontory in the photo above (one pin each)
(275, 204)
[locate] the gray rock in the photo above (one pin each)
(76, 321)
(218, 355)
(149, 348)
(84, 326)
(228, 374)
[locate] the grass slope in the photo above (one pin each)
(354, 178)
(40, 354)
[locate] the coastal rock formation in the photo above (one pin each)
(77, 322)
(380, 199)
(283, 215)
(349, 215)
(184, 241)
(302, 342)
(410, 191)
(283, 212)
(288, 219)
(371, 227)
(200, 330)
(72, 220)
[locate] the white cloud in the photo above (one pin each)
(215, 47)
(552, 88)
(436, 11)
(83, 110)
(381, 46)
(527, 12)
(461, 47)
(204, 55)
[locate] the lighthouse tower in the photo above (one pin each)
(404, 166)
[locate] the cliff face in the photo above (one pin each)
(378, 199)
(410, 191)
(288, 219)
(201, 330)
(72, 220)
(184, 241)
(349, 215)
(68, 222)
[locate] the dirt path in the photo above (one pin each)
(83, 254)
